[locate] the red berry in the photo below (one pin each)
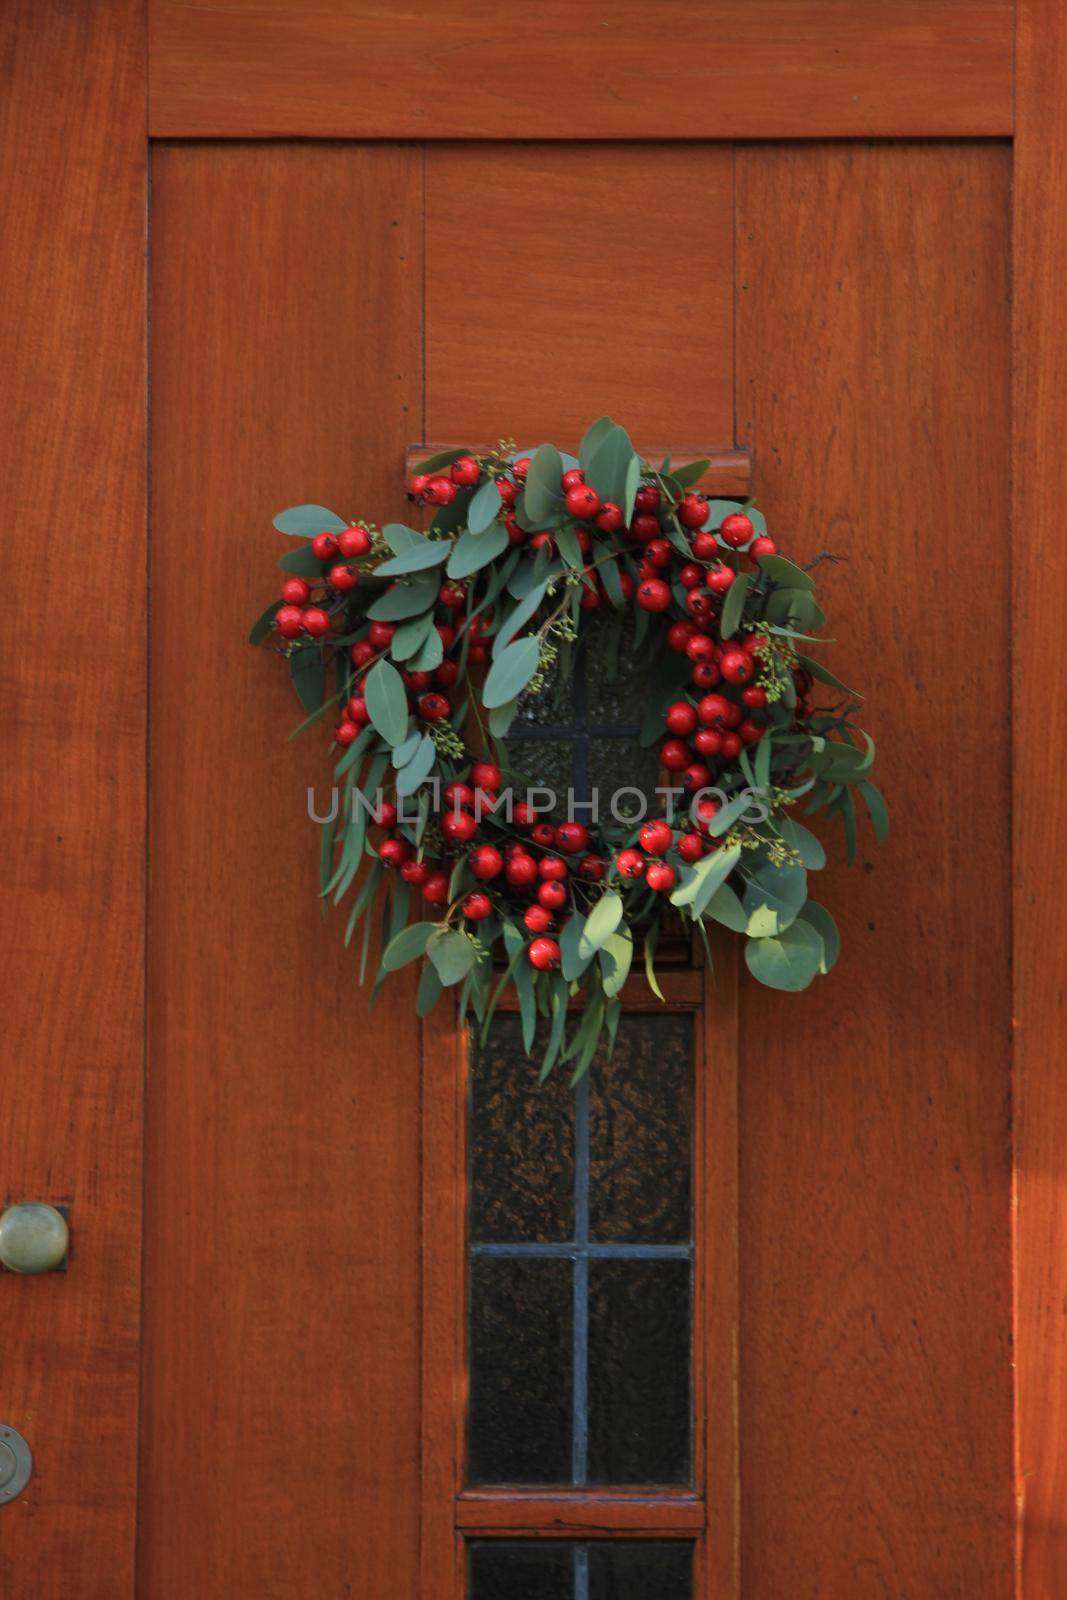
(699, 603)
(290, 620)
(458, 827)
(751, 732)
(417, 680)
(543, 954)
(452, 596)
(629, 863)
(523, 815)
(552, 868)
(591, 868)
(446, 674)
(699, 647)
(316, 622)
(762, 546)
(345, 733)
(626, 584)
(380, 634)
(643, 528)
(571, 837)
(353, 542)
(465, 472)
(459, 796)
(521, 870)
(385, 814)
(707, 810)
(679, 635)
(416, 872)
(342, 578)
(538, 919)
(476, 906)
(590, 600)
(693, 511)
(654, 595)
(733, 715)
(296, 592)
(324, 546)
(656, 838)
(435, 889)
(659, 552)
(486, 775)
(690, 847)
(582, 501)
(542, 541)
(737, 666)
(707, 742)
(521, 467)
(736, 530)
(719, 579)
(609, 517)
(394, 852)
(553, 895)
(356, 710)
(705, 547)
(696, 776)
(361, 653)
(713, 710)
(675, 755)
(706, 674)
(660, 876)
(691, 575)
(516, 532)
(417, 485)
(509, 492)
(440, 491)
(681, 718)
(433, 706)
(486, 862)
(647, 498)
(754, 696)
(543, 833)
(572, 478)
(731, 747)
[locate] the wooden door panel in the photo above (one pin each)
(563, 281)
(617, 70)
(280, 1450)
(873, 373)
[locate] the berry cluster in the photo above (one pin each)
(434, 638)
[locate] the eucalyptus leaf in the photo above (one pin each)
(543, 495)
(573, 958)
(399, 537)
(615, 957)
(519, 616)
(484, 507)
(418, 769)
(452, 953)
(789, 960)
(304, 522)
(410, 636)
(511, 671)
(472, 551)
(601, 923)
(262, 625)
(876, 806)
(592, 439)
(307, 669)
(691, 472)
(701, 881)
(429, 990)
(773, 896)
(387, 702)
(785, 573)
(734, 605)
(810, 849)
(406, 599)
(408, 945)
(302, 563)
(725, 907)
(826, 928)
(430, 553)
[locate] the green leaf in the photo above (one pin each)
(825, 926)
(879, 811)
(261, 626)
(803, 841)
(794, 608)
(431, 652)
(484, 507)
(725, 907)
(307, 669)
(404, 752)
(304, 522)
(773, 897)
(788, 961)
(452, 953)
(399, 537)
(501, 718)
(650, 970)
(784, 572)
(734, 605)
(408, 945)
(593, 438)
(542, 495)
(418, 769)
(573, 959)
(691, 473)
(443, 458)
(511, 671)
(609, 465)
(519, 617)
(429, 990)
(727, 815)
(472, 551)
(428, 553)
(824, 675)
(631, 485)
(387, 702)
(615, 957)
(718, 510)
(410, 636)
(601, 923)
(302, 563)
(406, 599)
(569, 549)
(702, 880)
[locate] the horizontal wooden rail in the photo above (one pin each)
(616, 1515)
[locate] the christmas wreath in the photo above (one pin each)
(426, 646)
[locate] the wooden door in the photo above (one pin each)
(782, 232)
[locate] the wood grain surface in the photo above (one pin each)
(1040, 797)
(73, 670)
(737, 69)
(281, 1441)
(876, 1379)
(538, 326)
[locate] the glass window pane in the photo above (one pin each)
(640, 1134)
(543, 764)
(531, 1570)
(617, 765)
(635, 1570)
(638, 1372)
(521, 1370)
(618, 675)
(521, 1144)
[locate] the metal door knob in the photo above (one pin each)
(33, 1238)
(16, 1463)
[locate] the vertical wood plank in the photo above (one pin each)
(873, 365)
(72, 662)
(282, 1264)
(566, 301)
(1040, 796)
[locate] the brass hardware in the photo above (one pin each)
(16, 1463)
(33, 1238)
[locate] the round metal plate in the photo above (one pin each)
(16, 1463)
